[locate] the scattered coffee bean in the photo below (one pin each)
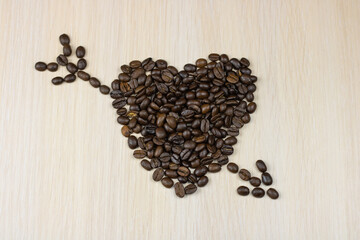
(266, 178)
(52, 67)
(190, 189)
(233, 167)
(146, 164)
(158, 174)
(62, 60)
(80, 52)
(179, 190)
(72, 68)
(272, 193)
(84, 76)
(67, 50)
(255, 181)
(81, 64)
(70, 78)
(132, 142)
(203, 181)
(104, 89)
(167, 182)
(57, 80)
(214, 167)
(40, 66)
(64, 39)
(244, 174)
(261, 165)
(243, 191)
(139, 154)
(94, 82)
(258, 192)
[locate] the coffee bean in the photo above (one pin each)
(179, 190)
(183, 171)
(64, 39)
(214, 167)
(40, 66)
(243, 191)
(57, 80)
(167, 182)
(81, 64)
(266, 178)
(94, 82)
(158, 174)
(70, 78)
(255, 181)
(80, 52)
(139, 154)
(125, 131)
(245, 62)
(201, 62)
(104, 89)
(227, 150)
(132, 142)
(244, 174)
(214, 57)
(230, 141)
(52, 67)
(200, 171)
(190, 189)
(203, 181)
(72, 68)
(251, 107)
(146, 164)
(272, 193)
(67, 50)
(258, 192)
(83, 75)
(62, 60)
(261, 165)
(233, 167)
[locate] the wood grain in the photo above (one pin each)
(67, 173)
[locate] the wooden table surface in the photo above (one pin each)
(66, 171)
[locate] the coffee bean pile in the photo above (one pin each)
(254, 181)
(182, 124)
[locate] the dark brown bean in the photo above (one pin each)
(83, 75)
(64, 39)
(81, 64)
(202, 181)
(158, 174)
(67, 50)
(214, 167)
(139, 154)
(244, 174)
(104, 89)
(258, 192)
(255, 181)
(80, 52)
(70, 78)
(167, 182)
(243, 190)
(132, 142)
(266, 178)
(190, 189)
(183, 171)
(146, 164)
(272, 193)
(52, 67)
(94, 82)
(179, 190)
(261, 166)
(233, 167)
(72, 68)
(40, 66)
(62, 60)
(57, 80)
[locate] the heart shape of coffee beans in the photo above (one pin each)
(182, 123)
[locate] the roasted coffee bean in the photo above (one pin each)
(245, 62)
(244, 174)
(243, 191)
(258, 192)
(57, 80)
(214, 56)
(179, 190)
(182, 179)
(139, 154)
(94, 82)
(40, 66)
(70, 78)
(64, 39)
(67, 50)
(146, 164)
(155, 163)
(125, 131)
(251, 107)
(158, 174)
(230, 140)
(272, 193)
(161, 64)
(80, 52)
(202, 181)
(255, 181)
(167, 182)
(201, 62)
(104, 89)
(132, 142)
(233, 167)
(83, 75)
(214, 167)
(52, 67)
(200, 171)
(223, 160)
(227, 150)
(81, 64)
(183, 171)
(72, 68)
(62, 60)
(261, 165)
(266, 178)
(190, 189)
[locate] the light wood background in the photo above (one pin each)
(66, 171)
